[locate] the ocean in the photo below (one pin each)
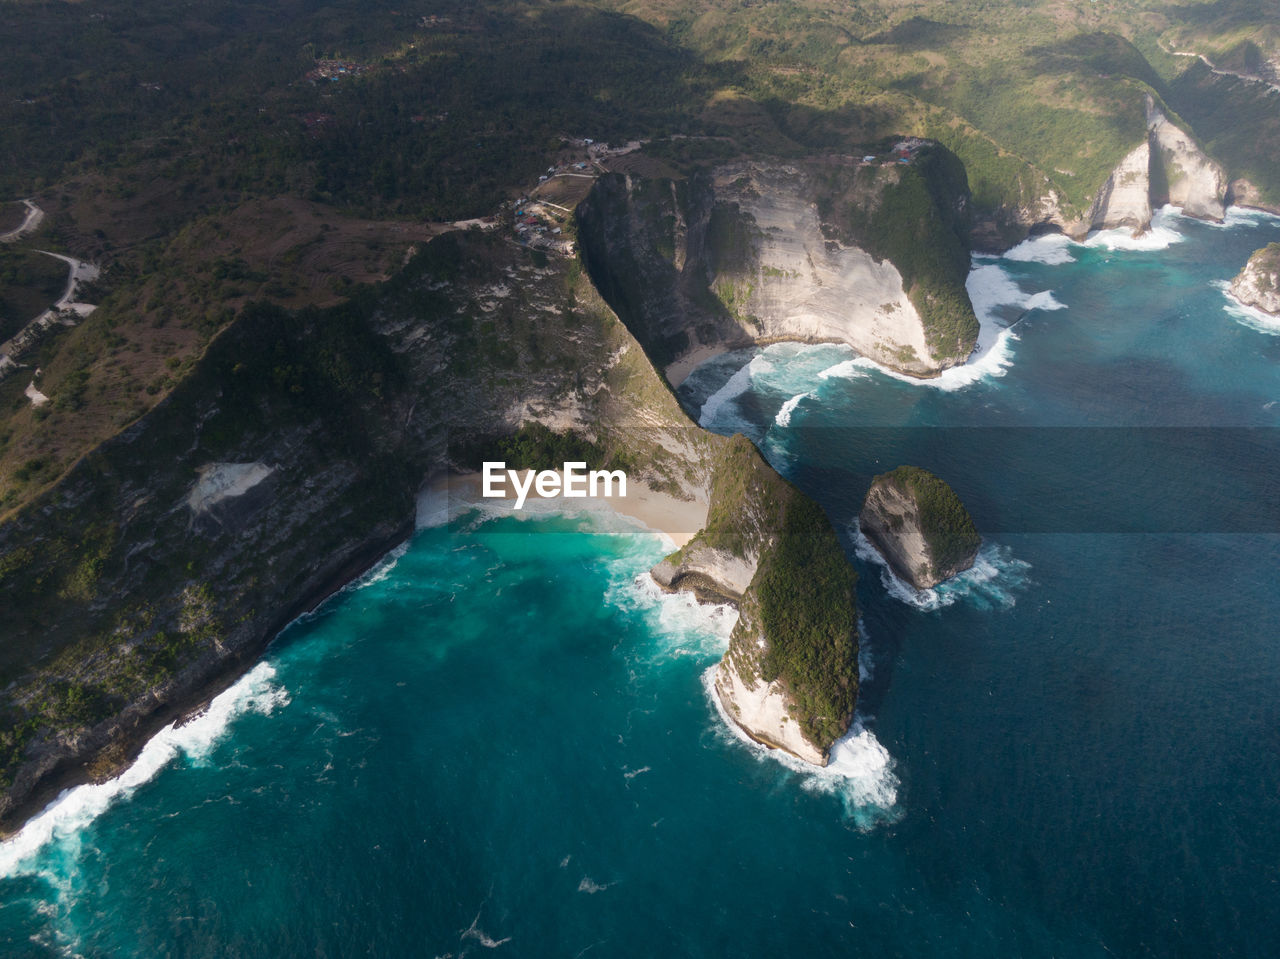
(500, 739)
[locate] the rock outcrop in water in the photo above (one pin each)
(790, 677)
(918, 524)
(873, 255)
(1258, 284)
(1167, 167)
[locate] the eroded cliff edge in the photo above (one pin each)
(790, 677)
(287, 462)
(920, 527)
(1258, 284)
(873, 254)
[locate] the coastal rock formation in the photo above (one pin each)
(822, 250)
(761, 709)
(1258, 284)
(1125, 199)
(290, 459)
(1167, 167)
(1181, 172)
(790, 677)
(918, 524)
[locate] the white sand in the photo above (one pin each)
(679, 371)
(679, 520)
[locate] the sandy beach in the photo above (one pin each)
(679, 520)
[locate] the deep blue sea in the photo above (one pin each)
(500, 742)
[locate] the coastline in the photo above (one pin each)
(112, 752)
(660, 512)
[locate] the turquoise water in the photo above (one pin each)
(500, 740)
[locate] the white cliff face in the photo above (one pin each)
(1125, 199)
(889, 519)
(803, 286)
(1167, 167)
(1195, 182)
(707, 570)
(761, 710)
(1258, 284)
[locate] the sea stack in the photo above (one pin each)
(1258, 284)
(918, 524)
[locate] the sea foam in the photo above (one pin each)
(1160, 236)
(1053, 249)
(738, 384)
(63, 820)
(859, 770)
(680, 624)
(993, 582)
(1245, 315)
(784, 414)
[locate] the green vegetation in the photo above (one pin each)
(535, 446)
(804, 588)
(947, 526)
(917, 218)
(30, 283)
(802, 596)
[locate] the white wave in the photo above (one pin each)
(784, 415)
(1160, 236)
(1051, 248)
(64, 818)
(680, 624)
(990, 287)
(381, 570)
(993, 581)
(591, 887)
(859, 770)
(1240, 216)
(736, 385)
(1245, 315)
(1044, 300)
(847, 370)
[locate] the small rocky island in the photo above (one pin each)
(918, 524)
(1258, 284)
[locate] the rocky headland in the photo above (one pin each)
(870, 253)
(790, 677)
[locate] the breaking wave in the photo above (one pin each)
(63, 820)
(784, 415)
(738, 384)
(1245, 315)
(993, 582)
(1053, 249)
(859, 771)
(1160, 236)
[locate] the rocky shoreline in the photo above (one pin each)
(111, 751)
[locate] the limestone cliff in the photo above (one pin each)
(918, 524)
(289, 460)
(790, 677)
(1125, 199)
(1258, 284)
(821, 250)
(1167, 167)
(1181, 172)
